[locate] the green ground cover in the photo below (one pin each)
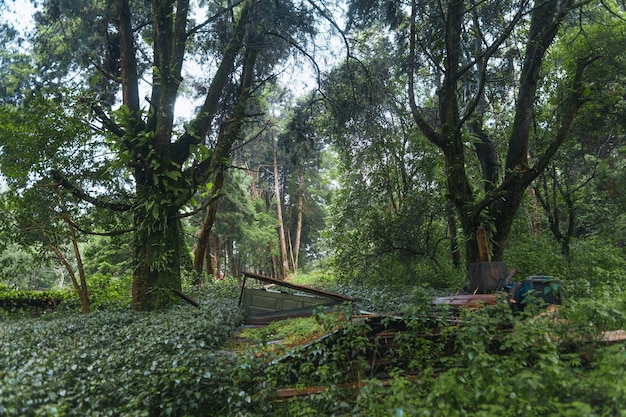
(187, 361)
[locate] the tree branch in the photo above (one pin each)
(201, 124)
(421, 123)
(82, 195)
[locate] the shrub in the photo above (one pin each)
(21, 302)
(120, 363)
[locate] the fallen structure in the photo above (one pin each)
(279, 300)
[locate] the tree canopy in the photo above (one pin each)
(169, 126)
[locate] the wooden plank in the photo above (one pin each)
(483, 246)
(295, 392)
(303, 288)
(468, 300)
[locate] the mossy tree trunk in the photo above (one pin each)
(496, 206)
(165, 179)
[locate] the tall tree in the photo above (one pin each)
(285, 271)
(115, 46)
(570, 193)
(386, 218)
(302, 147)
(460, 50)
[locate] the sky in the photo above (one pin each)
(19, 11)
(300, 79)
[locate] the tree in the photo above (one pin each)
(37, 211)
(461, 50)
(302, 148)
(115, 45)
(386, 216)
(571, 194)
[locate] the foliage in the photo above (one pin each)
(23, 270)
(386, 218)
(596, 265)
(120, 363)
(178, 362)
(16, 302)
(476, 368)
(108, 256)
(109, 292)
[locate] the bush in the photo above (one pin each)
(17, 302)
(120, 363)
(106, 291)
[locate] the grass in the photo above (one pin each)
(278, 337)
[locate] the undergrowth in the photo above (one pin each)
(120, 362)
(182, 361)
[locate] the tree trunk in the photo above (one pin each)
(158, 249)
(454, 243)
(79, 286)
(281, 226)
(163, 184)
(214, 257)
(84, 290)
(80, 283)
(202, 246)
(296, 249)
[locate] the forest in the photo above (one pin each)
(153, 153)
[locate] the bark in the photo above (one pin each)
(214, 257)
(296, 250)
(158, 253)
(486, 152)
(281, 226)
(202, 247)
(129, 77)
(454, 243)
(457, 182)
(230, 132)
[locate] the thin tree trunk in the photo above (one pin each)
(281, 226)
(202, 246)
(83, 296)
(299, 222)
(80, 284)
(535, 227)
(84, 291)
(214, 258)
(454, 243)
